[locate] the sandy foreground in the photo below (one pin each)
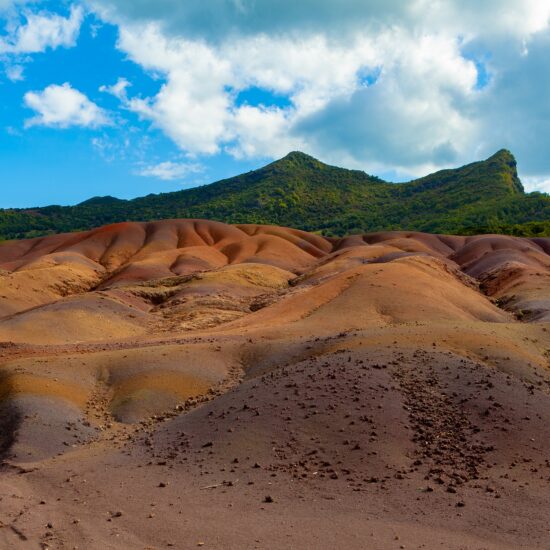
(186, 383)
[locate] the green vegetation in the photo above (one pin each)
(529, 229)
(299, 191)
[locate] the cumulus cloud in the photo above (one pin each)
(169, 170)
(196, 106)
(62, 107)
(380, 85)
(414, 119)
(41, 31)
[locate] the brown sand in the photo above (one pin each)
(187, 383)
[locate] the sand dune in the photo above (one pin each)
(188, 382)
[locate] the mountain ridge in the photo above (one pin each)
(300, 191)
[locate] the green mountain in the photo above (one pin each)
(300, 191)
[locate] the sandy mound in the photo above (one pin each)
(71, 320)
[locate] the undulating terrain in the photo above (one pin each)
(188, 383)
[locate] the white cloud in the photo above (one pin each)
(170, 170)
(111, 150)
(118, 89)
(196, 106)
(62, 107)
(15, 72)
(428, 102)
(537, 183)
(192, 107)
(493, 18)
(262, 132)
(410, 120)
(42, 31)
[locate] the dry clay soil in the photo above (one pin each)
(186, 383)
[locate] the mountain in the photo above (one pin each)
(108, 199)
(302, 192)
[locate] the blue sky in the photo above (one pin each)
(129, 98)
(43, 165)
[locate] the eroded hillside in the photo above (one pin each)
(243, 378)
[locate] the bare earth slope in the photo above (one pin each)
(186, 382)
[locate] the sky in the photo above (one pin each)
(130, 97)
